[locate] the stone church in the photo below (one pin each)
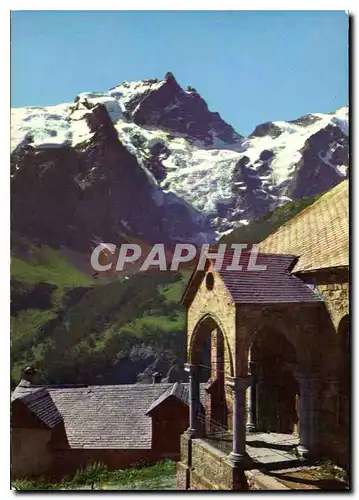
(278, 388)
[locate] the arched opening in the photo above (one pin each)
(275, 400)
(209, 351)
(344, 371)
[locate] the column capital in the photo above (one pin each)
(238, 383)
(191, 369)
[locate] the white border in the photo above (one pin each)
(350, 6)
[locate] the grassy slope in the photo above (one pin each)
(75, 335)
(47, 265)
(158, 477)
(261, 228)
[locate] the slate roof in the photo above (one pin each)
(176, 390)
(272, 285)
(110, 416)
(40, 403)
(319, 235)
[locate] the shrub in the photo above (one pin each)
(92, 475)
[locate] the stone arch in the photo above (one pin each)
(273, 363)
(298, 325)
(280, 345)
(201, 332)
(219, 366)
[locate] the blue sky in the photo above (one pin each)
(250, 66)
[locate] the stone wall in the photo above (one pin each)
(34, 454)
(169, 421)
(261, 482)
(336, 297)
(208, 469)
(68, 461)
(203, 467)
(218, 302)
(333, 284)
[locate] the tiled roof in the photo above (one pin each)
(112, 416)
(21, 389)
(177, 390)
(108, 416)
(40, 403)
(273, 285)
(319, 235)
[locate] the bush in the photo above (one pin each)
(23, 484)
(92, 475)
(328, 469)
(95, 475)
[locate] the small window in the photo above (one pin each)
(209, 281)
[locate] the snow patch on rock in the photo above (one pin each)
(200, 174)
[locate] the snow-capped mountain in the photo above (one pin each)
(148, 158)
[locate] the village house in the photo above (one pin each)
(57, 430)
(278, 392)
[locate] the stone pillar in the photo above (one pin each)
(308, 413)
(239, 387)
(215, 400)
(252, 401)
(194, 400)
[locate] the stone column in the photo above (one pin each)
(252, 400)
(194, 400)
(308, 412)
(239, 387)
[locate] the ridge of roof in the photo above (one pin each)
(40, 403)
(177, 390)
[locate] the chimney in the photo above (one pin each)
(29, 374)
(156, 377)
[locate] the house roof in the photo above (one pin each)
(39, 402)
(112, 416)
(319, 235)
(275, 284)
(177, 390)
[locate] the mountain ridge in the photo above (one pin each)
(193, 177)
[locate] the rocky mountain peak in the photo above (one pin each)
(170, 78)
(166, 105)
(152, 156)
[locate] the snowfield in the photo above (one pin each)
(201, 177)
(199, 174)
